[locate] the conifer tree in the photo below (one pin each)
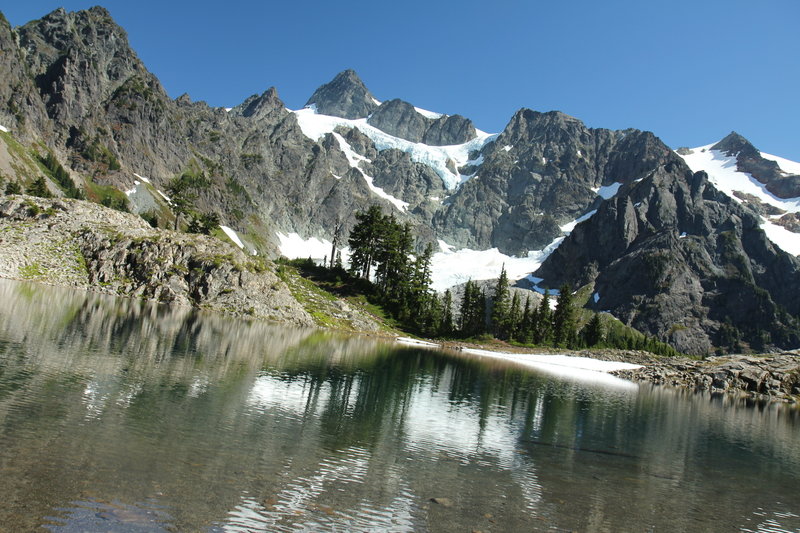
(500, 307)
(543, 333)
(38, 188)
(514, 317)
(593, 333)
(364, 241)
(446, 326)
(524, 328)
(564, 318)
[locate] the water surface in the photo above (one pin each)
(120, 415)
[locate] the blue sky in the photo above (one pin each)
(690, 71)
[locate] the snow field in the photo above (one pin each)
(3, 129)
(314, 126)
(722, 172)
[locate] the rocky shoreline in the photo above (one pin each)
(80, 244)
(770, 377)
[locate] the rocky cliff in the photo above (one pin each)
(672, 256)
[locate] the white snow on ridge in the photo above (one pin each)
(354, 159)
(569, 226)
(783, 238)
(314, 126)
(428, 114)
(722, 172)
(789, 167)
(232, 235)
(4, 129)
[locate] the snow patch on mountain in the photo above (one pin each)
(569, 226)
(354, 159)
(315, 126)
(428, 114)
(723, 173)
(607, 191)
(787, 166)
(293, 246)
(3, 129)
(232, 236)
(451, 267)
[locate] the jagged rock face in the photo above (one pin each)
(345, 96)
(674, 257)
(398, 175)
(100, 98)
(400, 119)
(22, 109)
(748, 159)
(538, 174)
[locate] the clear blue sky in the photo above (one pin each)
(690, 71)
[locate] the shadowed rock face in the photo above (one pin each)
(674, 257)
(768, 172)
(345, 96)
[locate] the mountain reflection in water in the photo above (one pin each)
(126, 415)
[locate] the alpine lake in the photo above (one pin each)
(128, 416)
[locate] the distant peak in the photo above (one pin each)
(344, 96)
(733, 144)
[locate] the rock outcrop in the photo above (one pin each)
(345, 96)
(75, 243)
(401, 119)
(775, 377)
(543, 171)
(674, 257)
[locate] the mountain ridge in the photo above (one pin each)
(77, 90)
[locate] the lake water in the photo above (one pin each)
(119, 415)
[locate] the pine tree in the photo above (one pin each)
(500, 307)
(365, 240)
(38, 188)
(446, 326)
(514, 317)
(524, 328)
(543, 333)
(593, 333)
(564, 318)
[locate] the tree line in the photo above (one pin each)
(382, 255)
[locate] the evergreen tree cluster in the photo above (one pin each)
(381, 252)
(525, 323)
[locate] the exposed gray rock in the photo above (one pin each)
(773, 377)
(345, 96)
(540, 173)
(673, 257)
(401, 119)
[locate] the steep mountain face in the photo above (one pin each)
(344, 96)
(673, 256)
(542, 171)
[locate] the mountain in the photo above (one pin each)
(668, 250)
